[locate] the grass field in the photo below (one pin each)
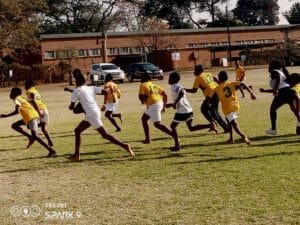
(208, 182)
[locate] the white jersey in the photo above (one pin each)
(282, 80)
(86, 96)
(183, 105)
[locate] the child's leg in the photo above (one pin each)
(109, 115)
(192, 128)
(82, 126)
(175, 136)
(112, 139)
(236, 127)
(242, 92)
(46, 133)
(118, 115)
(163, 128)
(39, 140)
(230, 140)
(145, 119)
(17, 127)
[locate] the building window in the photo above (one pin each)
(60, 54)
(82, 52)
(125, 50)
(113, 51)
(95, 52)
(172, 46)
(191, 45)
(50, 55)
(137, 50)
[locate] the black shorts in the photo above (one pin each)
(285, 96)
(181, 117)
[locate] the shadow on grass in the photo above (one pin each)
(12, 149)
(231, 158)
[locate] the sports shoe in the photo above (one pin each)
(271, 132)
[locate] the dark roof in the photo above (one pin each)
(175, 31)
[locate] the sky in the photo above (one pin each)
(284, 5)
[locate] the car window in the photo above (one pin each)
(109, 67)
(149, 66)
(96, 67)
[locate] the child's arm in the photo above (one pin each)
(12, 113)
(191, 90)
(266, 90)
(165, 99)
(34, 104)
(68, 89)
(180, 95)
(143, 98)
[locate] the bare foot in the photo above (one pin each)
(74, 158)
(230, 141)
(120, 117)
(31, 141)
(146, 141)
(128, 148)
(247, 140)
(175, 148)
(52, 154)
(213, 127)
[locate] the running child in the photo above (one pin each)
(111, 101)
(30, 118)
(155, 99)
(34, 97)
(227, 93)
(184, 110)
(86, 96)
(240, 73)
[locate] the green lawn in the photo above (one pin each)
(207, 182)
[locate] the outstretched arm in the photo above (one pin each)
(12, 113)
(191, 90)
(68, 89)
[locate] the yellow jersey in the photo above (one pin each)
(297, 89)
(240, 73)
(206, 83)
(26, 109)
(36, 97)
(113, 93)
(152, 91)
(227, 94)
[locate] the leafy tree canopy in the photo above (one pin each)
(293, 15)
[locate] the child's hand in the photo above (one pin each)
(103, 107)
(169, 105)
(2, 115)
(262, 90)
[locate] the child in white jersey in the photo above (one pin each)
(282, 92)
(184, 111)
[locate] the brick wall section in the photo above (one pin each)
(180, 39)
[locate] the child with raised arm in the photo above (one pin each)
(34, 97)
(184, 111)
(86, 96)
(111, 101)
(227, 93)
(30, 118)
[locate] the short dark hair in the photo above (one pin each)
(79, 79)
(223, 76)
(198, 69)
(108, 77)
(175, 77)
(275, 65)
(15, 92)
(76, 72)
(145, 77)
(29, 83)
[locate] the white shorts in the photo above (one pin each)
(45, 116)
(111, 107)
(154, 112)
(33, 124)
(94, 120)
(231, 116)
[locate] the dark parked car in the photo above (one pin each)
(135, 70)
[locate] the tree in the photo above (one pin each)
(78, 16)
(19, 22)
(293, 15)
(257, 12)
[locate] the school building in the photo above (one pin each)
(168, 49)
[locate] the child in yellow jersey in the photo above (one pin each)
(34, 97)
(111, 101)
(227, 93)
(30, 118)
(240, 73)
(209, 108)
(155, 99)
(294, 81)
